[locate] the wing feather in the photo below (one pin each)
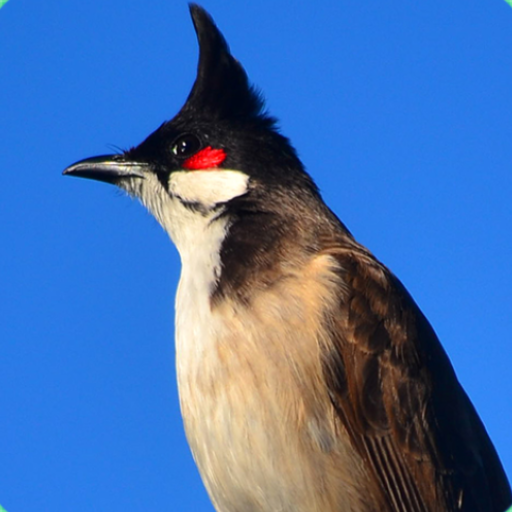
(396, 395)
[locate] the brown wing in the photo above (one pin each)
(397, 396)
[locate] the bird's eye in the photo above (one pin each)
(186, 145)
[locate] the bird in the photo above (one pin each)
(309, 379)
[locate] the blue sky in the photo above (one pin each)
(401, 111)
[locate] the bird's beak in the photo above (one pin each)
(107, 168)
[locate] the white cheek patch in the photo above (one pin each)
(208, 187)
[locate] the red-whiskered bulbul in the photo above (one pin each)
(309, 379)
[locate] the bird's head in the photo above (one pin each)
(221, 151)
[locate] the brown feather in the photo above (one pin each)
(395, 392)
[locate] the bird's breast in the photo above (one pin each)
(256, 412)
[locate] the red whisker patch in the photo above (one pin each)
(207, 158)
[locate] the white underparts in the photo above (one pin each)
(198, 235)
(248, 376)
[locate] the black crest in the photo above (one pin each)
(221, 89)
